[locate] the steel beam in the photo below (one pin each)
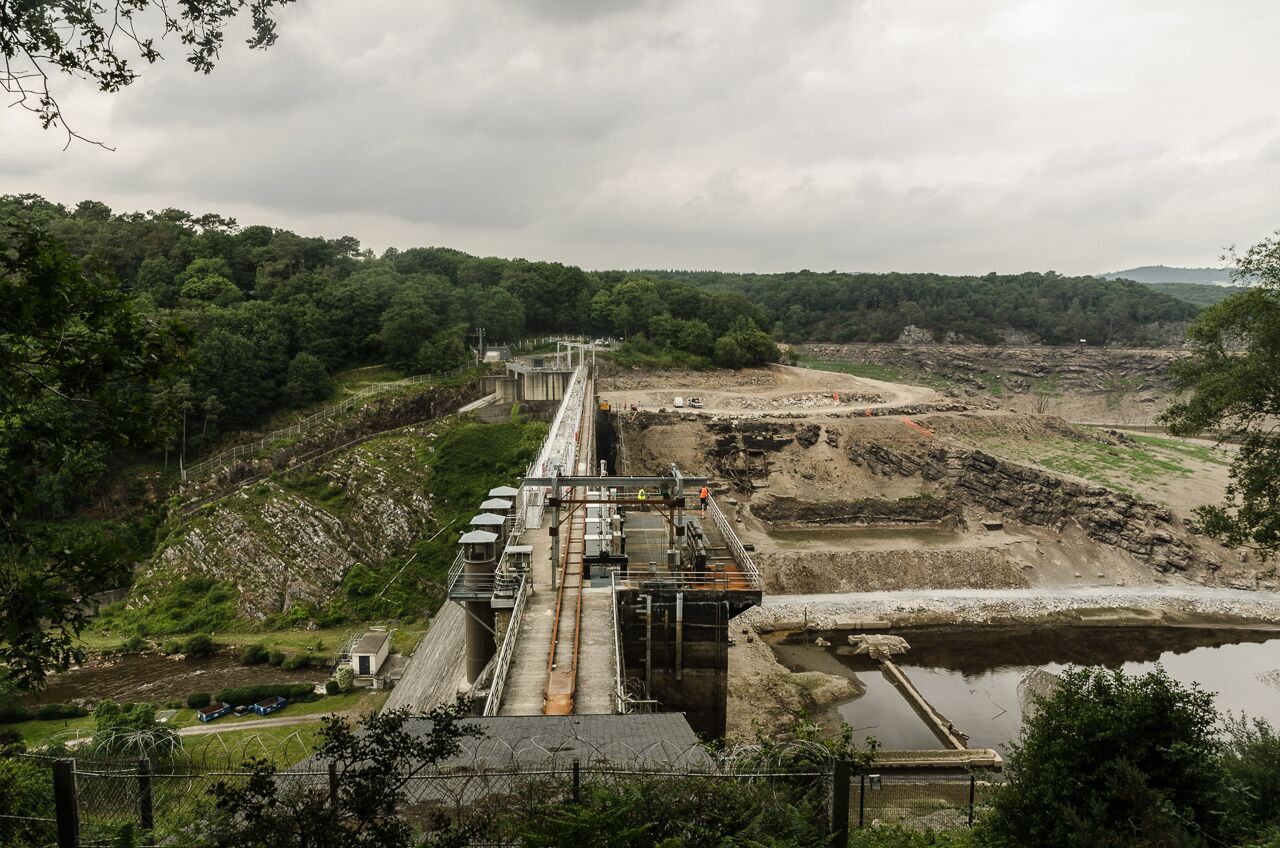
(616, 482)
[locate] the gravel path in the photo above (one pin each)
(1153, 604)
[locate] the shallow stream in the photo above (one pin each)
(971, 675)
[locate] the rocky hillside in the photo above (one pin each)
(290, 539)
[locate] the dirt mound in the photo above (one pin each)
(813, 572)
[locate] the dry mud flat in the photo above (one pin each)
(757, 392)
(928, 509)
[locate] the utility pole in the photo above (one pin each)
(480, 346)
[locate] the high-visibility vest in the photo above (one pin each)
(640, 495)
(704, 493)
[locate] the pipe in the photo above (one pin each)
(648, 646)
(679, 631)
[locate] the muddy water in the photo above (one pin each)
(864, 538)
(159, 679)
(971, 676)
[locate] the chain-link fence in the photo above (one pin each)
(164, 803)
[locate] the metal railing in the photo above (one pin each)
(740, 555)
(493, 701)
(560, 448)
(203, 467)
(623, 700)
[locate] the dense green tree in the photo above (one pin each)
(501, 314)
(1233, 380)
(82, 373)
(1111, 760)
(745, 345)
(308, 380)
(444, 351)
(420, 307)
(377, 763)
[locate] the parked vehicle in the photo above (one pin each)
(269, 705)
(695, 403)
(678, 402)
(215, 710)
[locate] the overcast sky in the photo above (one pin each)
(1075, 135)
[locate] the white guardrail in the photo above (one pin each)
(493, 702)
(740, 555)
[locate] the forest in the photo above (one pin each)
(1046, 307)
(268, 316)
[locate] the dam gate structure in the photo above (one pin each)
(590, 593)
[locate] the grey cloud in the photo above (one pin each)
(1074, 134)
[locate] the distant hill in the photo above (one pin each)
(1196, 293)
(1165, 274)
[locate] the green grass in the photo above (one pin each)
(361, 700)
(1119, 467)
(1201, 453)
(38, 732)
(284, 745)
(992, 381)
(875, 371)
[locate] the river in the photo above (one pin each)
(971, 674)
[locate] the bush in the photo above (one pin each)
(135, 645)
(173, 646)
(198, 700)
(255, 654)
(275, 658)
(346, 677)
(199, 645)
(331, 687)
(174, 704)
(52, 711)
(298, 661)
(244, 695)
(1106, 756)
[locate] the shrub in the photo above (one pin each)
(52, 711)
(331, 687)
(173, 646)
(135, 645)
(255, 654)
(245, 695)
(1149, 754)
(275, 658)
(174, 704)
(295, 662)
(198, 700)
(199, 645)
(345, 677)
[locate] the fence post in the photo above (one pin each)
(65, 811)
(973, 782)
(333, 785)
(577, 782)
(862, 799)
(840, 804)
(146, 817)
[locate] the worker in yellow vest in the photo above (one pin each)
(703, 494)
(641, 496)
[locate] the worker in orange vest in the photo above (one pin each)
(703, 494)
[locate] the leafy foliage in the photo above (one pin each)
(1233, 377)
(26, 797)
(1111, 760)
(833, 307)
(83, 376)
(375, 763)
(642, 811)
(94, 41)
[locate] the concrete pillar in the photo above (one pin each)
(479, 558)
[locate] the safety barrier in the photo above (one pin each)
(745, 563)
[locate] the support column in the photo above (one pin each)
(479, 558)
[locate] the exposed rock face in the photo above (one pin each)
(931, 466)
(293, 539)
(1146, 531)
(859, 512)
